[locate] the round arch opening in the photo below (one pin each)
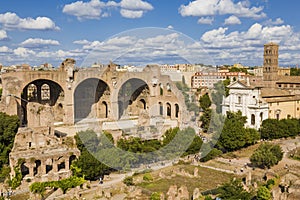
(133, 98)
(91, 100)
(42, 92)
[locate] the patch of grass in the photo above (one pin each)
(246, 152)
(207, 179)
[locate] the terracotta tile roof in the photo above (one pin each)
(289, 79)
(274, 92)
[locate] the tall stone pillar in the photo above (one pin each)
(114, 114)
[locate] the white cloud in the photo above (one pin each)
(85, 10)
(38, 43)
(81, 42)
(95, 9)
(138, 5)
(23, 52)
(201, 8)
(131, 13)
(278, 21)
(206, 20)
(5, 49)
(232, 20)
(13, 21)
(3, 35)
(246, 46)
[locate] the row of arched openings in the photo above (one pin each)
(168, 109)
(88, 93)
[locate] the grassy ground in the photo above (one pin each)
(207, 179)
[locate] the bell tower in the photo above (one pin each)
(270, 68)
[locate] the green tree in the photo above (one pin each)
(266, 155)
(233, 190)
(264, 193)
(8, 128)
(220, 90)
(252, 136)
(234, 135)
(205, 118)
(274, 129)
(211, 155)
(295, 72)
(87, 165)
(205, 101)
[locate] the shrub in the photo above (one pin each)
(266, 155)
(128, 181)
(148, 177)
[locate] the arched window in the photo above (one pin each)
(161, 109)
(143, 104)
(252, 119)
(176, 110)
(161, 89)
(45, 92)
(169, 112)
(32, 92)
(105, 107)
(261, 116)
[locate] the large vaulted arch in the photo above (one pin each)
(42, 91)
(134, 93)
(91, 99)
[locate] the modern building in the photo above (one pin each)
(208, 79)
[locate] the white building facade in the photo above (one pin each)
(242, 97)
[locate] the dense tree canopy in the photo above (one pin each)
(295, 72)
(274, 129)
(90, 167)
(233, 190)
(234, 135)
(8, 129)
(205, 102)
(264, 193)
(266, 155)
(205, 118)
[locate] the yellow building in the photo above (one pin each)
(282, 104)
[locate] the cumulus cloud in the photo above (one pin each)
(200, 8)
(85, 10)
(246, 46)
(39, 43)
(232, 20)
(206, 20)
(23, 52)
(277, 21)
(95, 9)
(5, 49)
(3, 35)
(131, 13)
(13, 21)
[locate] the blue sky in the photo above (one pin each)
(230, 31)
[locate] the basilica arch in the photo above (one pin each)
(133, 96)
(42, 92)
(91, 99)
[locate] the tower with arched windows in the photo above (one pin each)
(270, 68)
